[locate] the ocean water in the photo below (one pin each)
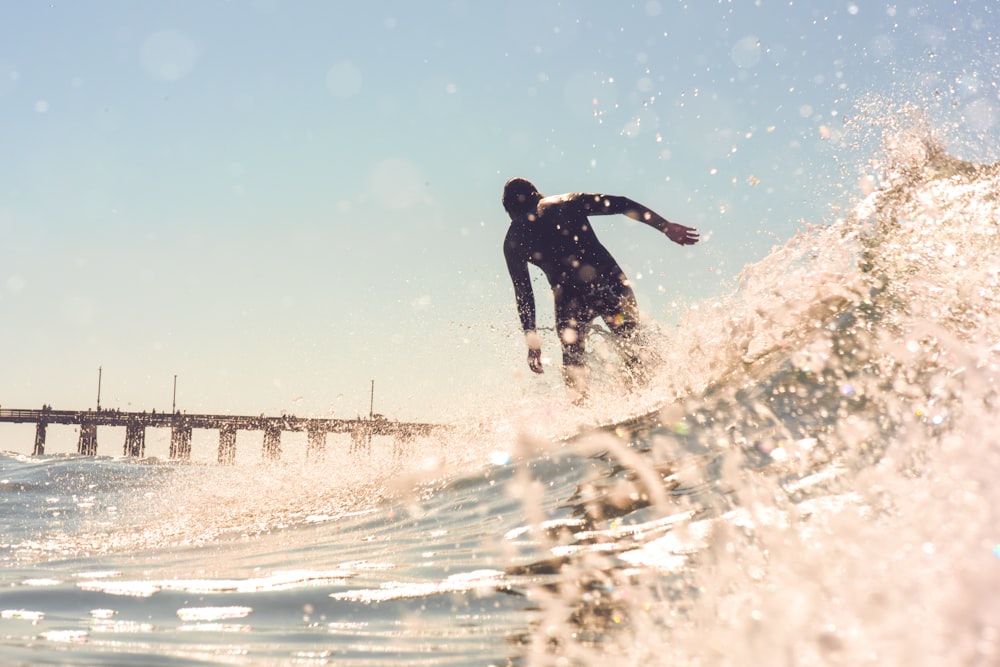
(809, 479)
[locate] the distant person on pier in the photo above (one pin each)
(554, 233)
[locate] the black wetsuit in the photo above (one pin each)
(586, 280)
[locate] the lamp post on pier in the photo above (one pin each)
(98, 388)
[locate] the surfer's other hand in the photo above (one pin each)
(680, 234)
(535, 359)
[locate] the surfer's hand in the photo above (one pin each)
(680, 234)
(534, 342)
(535, 359)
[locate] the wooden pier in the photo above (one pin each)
(181, 425)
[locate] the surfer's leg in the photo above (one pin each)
(572, 336)
(571, 326)
(621, 314)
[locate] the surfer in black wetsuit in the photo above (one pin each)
(554, 234)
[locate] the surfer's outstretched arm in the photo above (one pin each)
(679, 234)
(616, 204)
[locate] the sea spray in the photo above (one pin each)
(836, 503)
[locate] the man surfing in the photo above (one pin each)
(554, 234)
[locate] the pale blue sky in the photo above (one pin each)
(279, 201)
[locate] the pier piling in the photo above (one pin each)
(315, 442)
(87, 444)
(272, 442)
(227, 444)
(180, 442)
(135, 438)
(39, 438)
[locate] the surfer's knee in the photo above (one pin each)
(573, 354)
(570, 333)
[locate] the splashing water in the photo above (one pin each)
(828, 473)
